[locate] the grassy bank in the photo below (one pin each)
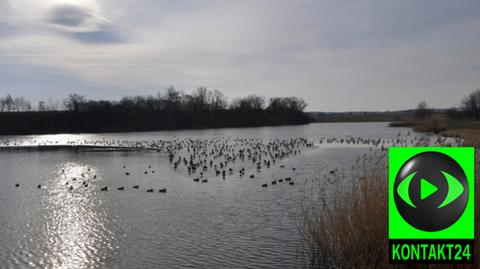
(440, 125)
(352, 230)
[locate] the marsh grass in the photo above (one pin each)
(433, 124)
(351, 230)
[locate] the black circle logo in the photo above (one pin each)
(431, 191)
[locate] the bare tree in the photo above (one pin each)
(251, 102)
(287, 103)
(8, 102)
(471, 105)
(295, 103)
(41, 106)
(74, 102)
(54, 105)
(256, 101)
(199, 99)
(21, 104)
(173, 99)
(422, 111)
(219, 101)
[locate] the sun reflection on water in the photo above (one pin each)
(77, 231)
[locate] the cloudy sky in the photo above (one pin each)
(338, 55)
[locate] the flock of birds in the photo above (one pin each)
(220, 157)
(84, 181)
(209, 158)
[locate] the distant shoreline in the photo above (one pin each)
(368, 116)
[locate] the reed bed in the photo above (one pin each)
(351, 230)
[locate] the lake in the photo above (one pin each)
(223, 223)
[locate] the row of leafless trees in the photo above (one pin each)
(172, 109)
(9, 103)
(201, 99)
(469, 108)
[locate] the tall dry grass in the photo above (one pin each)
(351, 230)
(433, 124)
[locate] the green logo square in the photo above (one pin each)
(431, 193)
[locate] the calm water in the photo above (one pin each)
(231, 223)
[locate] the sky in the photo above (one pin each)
(338, 55)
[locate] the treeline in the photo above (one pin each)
(469, 109)
(173, 109)
(9, 104)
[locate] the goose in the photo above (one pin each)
(264, 185)
(135, 186)
(162, 190)
(17, 185)
(120, 188)
(39, 186)
(150, 190)
(104, 188)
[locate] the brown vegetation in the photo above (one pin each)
(351, 230)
